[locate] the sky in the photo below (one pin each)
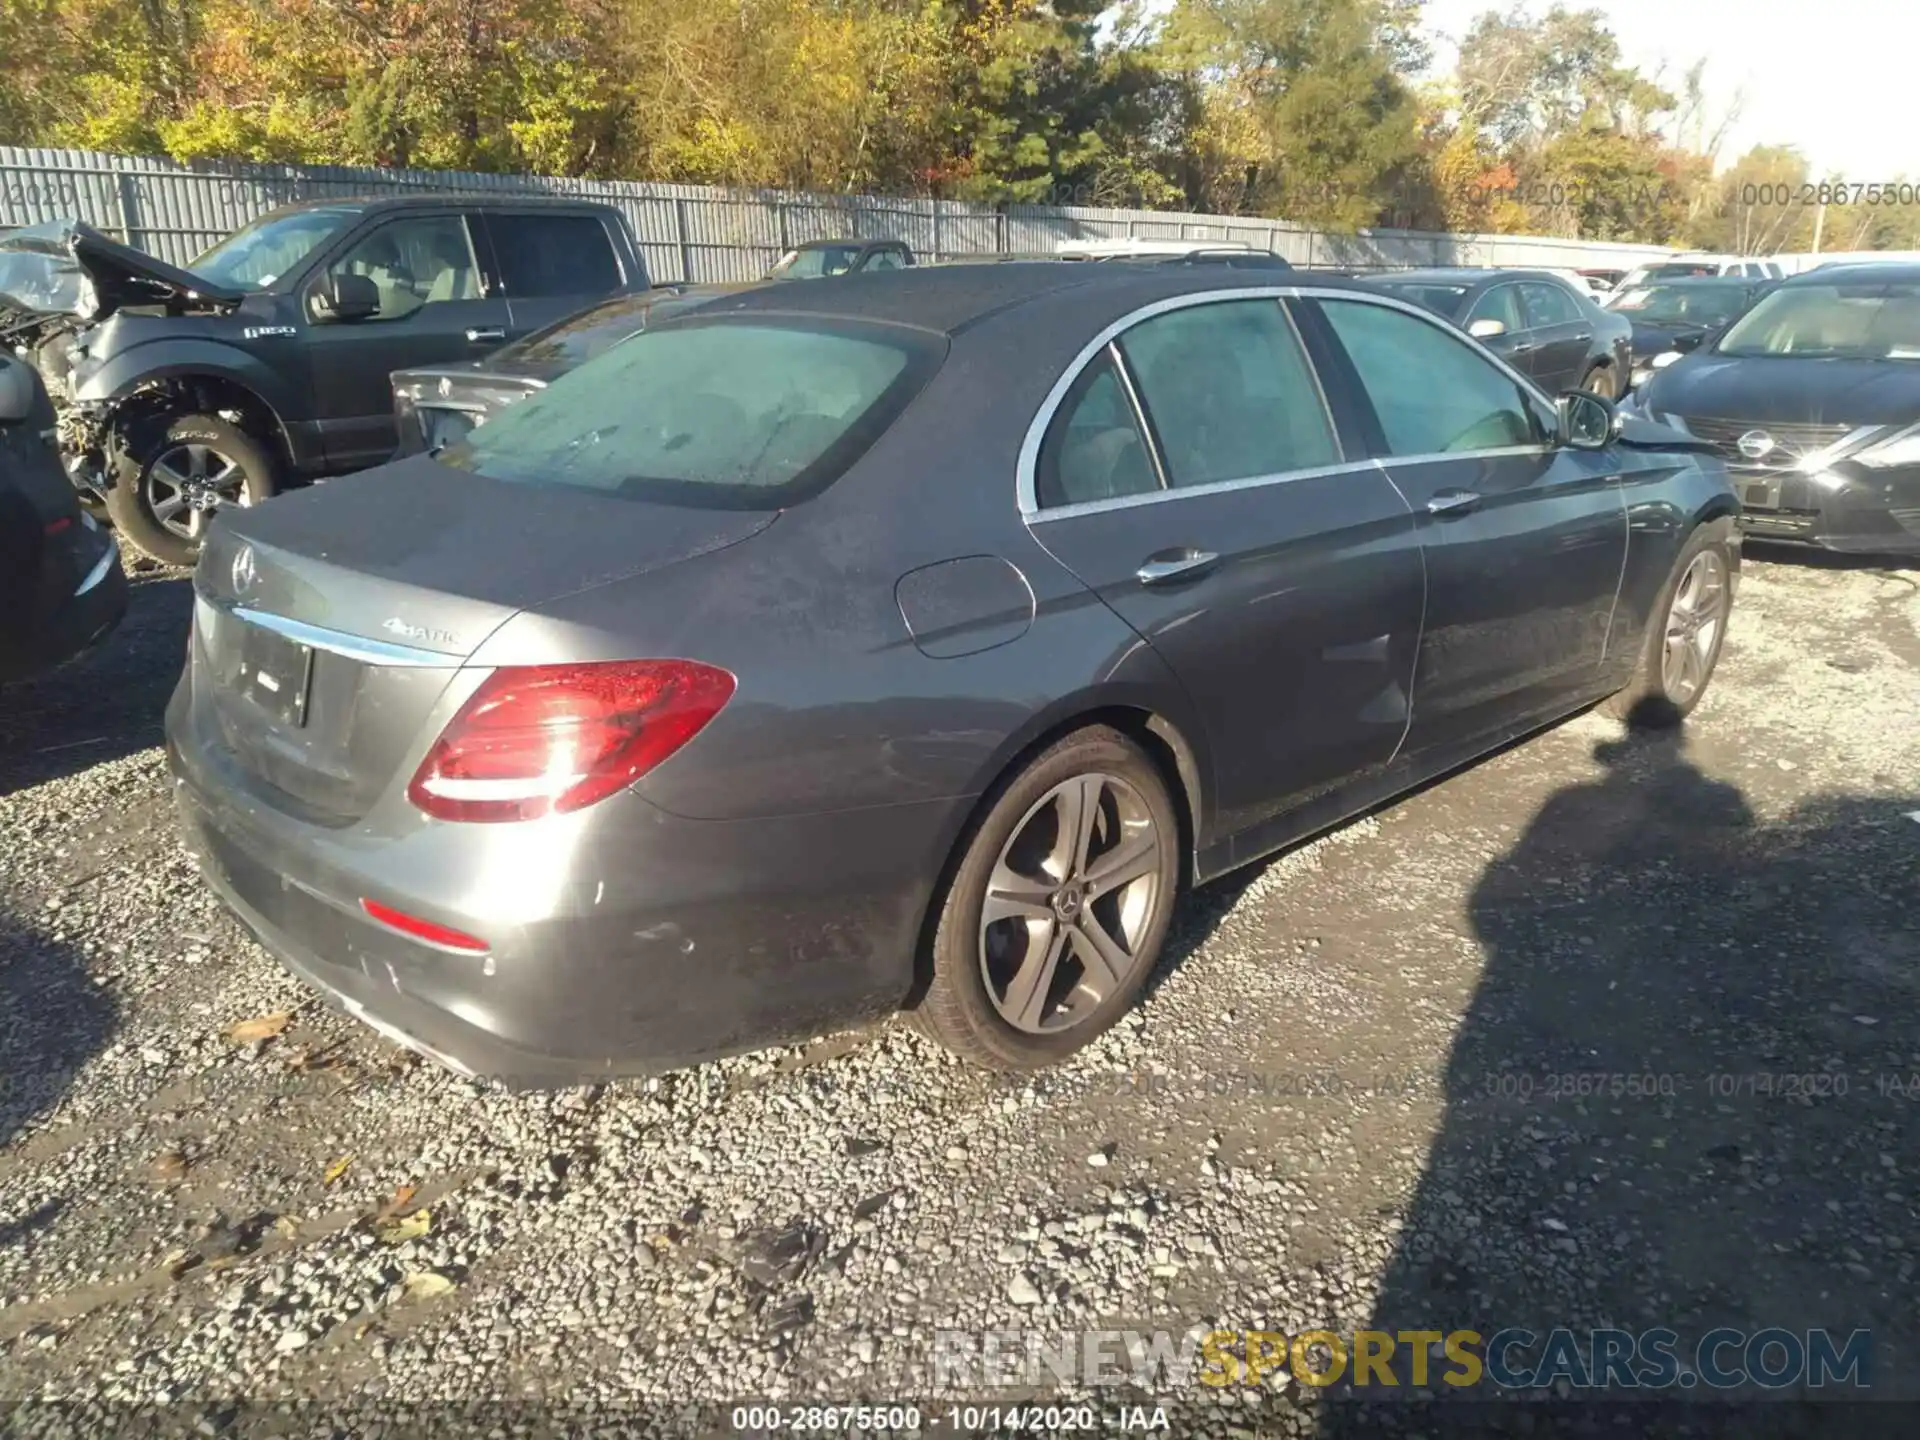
(1835, 79)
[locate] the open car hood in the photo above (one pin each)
(68, 268)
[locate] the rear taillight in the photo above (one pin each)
(546, 739)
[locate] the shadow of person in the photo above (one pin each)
(53, 1020)
(1679, 1099)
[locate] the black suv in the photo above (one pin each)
(266, 361)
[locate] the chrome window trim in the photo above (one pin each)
(100, 567)
(1026, 468)
(338, 642)
(1124, 370)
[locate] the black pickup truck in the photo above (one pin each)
(266, 362)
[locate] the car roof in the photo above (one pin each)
(1705, 282)
(949, 298)
(492, 199)
(840, 240)
(1888, 271)
(1459, 275)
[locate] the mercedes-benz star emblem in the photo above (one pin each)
(243, 570)
(1756, 444)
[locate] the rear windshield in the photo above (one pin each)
(731, 414)
(1442, 298)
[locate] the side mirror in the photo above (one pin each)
(1487, 328)
(346, 298)
(1687, 343)
(1585, 421)
(16, 391)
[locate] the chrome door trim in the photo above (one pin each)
(1026, 491)
(338, 642)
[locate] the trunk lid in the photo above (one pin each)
(330, 624)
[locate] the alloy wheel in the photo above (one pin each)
(1694, 622)
(1071, 898)
(188, 482)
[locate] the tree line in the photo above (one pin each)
(1329, 112)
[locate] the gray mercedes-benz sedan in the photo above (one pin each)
(909, 642)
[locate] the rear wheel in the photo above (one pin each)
(1684, 637)
(1058, 908)
(183, 473)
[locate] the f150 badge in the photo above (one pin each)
(262, 332)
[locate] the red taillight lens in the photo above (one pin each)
(423, 929)
(545, 739)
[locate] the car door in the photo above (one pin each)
(434, 308)
(1562, 335)
(552, 264)
(1515, 343)
(1524, 540)
(1192, 478)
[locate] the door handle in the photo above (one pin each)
(1522, 349)
(1452, 502)
(1169, 566)
(486, 336)
(1584, 338)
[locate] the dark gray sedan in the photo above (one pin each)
(1537, 322)
(910, 641)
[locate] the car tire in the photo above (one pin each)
(985, 999)
(183, 459)
(1697, 595)
(1600, 381)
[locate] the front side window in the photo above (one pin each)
(413, 263)
(1229, 393)
(254, 257)
(1549, 305)
(1434, 394)
(557, 254)
(1865, 320)
(1501, 303)
(722, 415)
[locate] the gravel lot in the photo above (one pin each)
(1341, 1103)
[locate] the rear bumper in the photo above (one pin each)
(655, 942)
(1857, 515)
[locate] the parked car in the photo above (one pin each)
(61, 586)
(891, 655)
(1703, 267)
(1538, 322)
(1813, 397)
(1671, 317)
(1601, 281)
(183, 392)
(819, 259)
(434, 406)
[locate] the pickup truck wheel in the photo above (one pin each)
(188, 469)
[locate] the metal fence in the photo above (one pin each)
(697, 232)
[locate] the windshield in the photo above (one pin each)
(1443, 298)
(1680, 304)
(1862, 321)
(254, 257)
(726, 415)
(812, 264)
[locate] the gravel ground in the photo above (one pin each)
(1344, 1101)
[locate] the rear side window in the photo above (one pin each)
(554, 255)
(729, 415)
(1549, 305)
(1434, 394)
(1229, 394)
(1095, 450)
